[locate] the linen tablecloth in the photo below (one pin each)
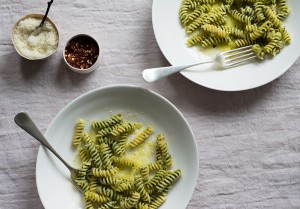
(248, 142)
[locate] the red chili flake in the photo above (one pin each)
(81, 52)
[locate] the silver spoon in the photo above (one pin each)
(39, 28)
(24, 121)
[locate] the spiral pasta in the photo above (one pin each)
(210, 41)
(131, 201)
(112, 194)
(140, 188)
(259, 52)
(195, 40)
(108, 205)
(106, 154)
(79, 128)
(235, 23)
(104, 173)
(103, 176)
(156, 179)
(144, 170)
(122, 128)
(283, 9)
(157, 201)
(96, 197)
(167, 158)
(196, 13)
(84, 155)
(123, 186)
(142, 205)
(93, 183)
(286, 36)
(169, 179)
(123, 161)
(97, 125)
(141, 137)
(155, 166)
(220, 32)
(95, 156)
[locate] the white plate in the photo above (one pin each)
(54, 187)
(171, 38)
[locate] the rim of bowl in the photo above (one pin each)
(34, 16)
(87, 70)
(109, 87)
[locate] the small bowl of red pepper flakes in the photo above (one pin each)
(81, 53)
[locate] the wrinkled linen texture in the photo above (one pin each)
(248, 142)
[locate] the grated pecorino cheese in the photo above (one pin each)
(35, 46)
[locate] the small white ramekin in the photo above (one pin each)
(39, 16)
(82, 71)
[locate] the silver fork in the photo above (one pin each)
(226, 59)
(24, 121)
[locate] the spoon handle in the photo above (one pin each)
(46, 14)
(24, 121)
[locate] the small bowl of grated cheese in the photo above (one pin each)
(35, 46)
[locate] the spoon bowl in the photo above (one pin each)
(24, 121)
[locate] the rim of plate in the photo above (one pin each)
(153, 93)
(170, 60)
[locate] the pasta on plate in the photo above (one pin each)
(236, 23)
(110, 178)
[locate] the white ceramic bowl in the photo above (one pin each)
(82, 71)
(39, 16)
(54, 186)
(171, 38)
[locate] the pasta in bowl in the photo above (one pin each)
(235, 24)
(173, 40)
(148, 160)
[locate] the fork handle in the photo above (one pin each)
(154, 74)
(24, 121)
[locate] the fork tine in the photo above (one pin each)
(240, 62)
(238, 53)
(235, 57)
(237, 49)
(241, 57)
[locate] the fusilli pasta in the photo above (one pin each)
(236, 23)
(105, 162)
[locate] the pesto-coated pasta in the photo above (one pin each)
(166, 156)
(123, 186)
(169, 179)
(122, 128)
(213, 41)
(112, 194)
(236, 23)
(195, 40)
(141, 137)
(93, 183)
(104, 173)
(259, 52)
(79, 128)
(84, 155)
(123, 161)
(144, 170)
(157, 201)
(103, 176)
(96, 197)
(218, 31)
(155, 166)
(116, 119)
(140, 188)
